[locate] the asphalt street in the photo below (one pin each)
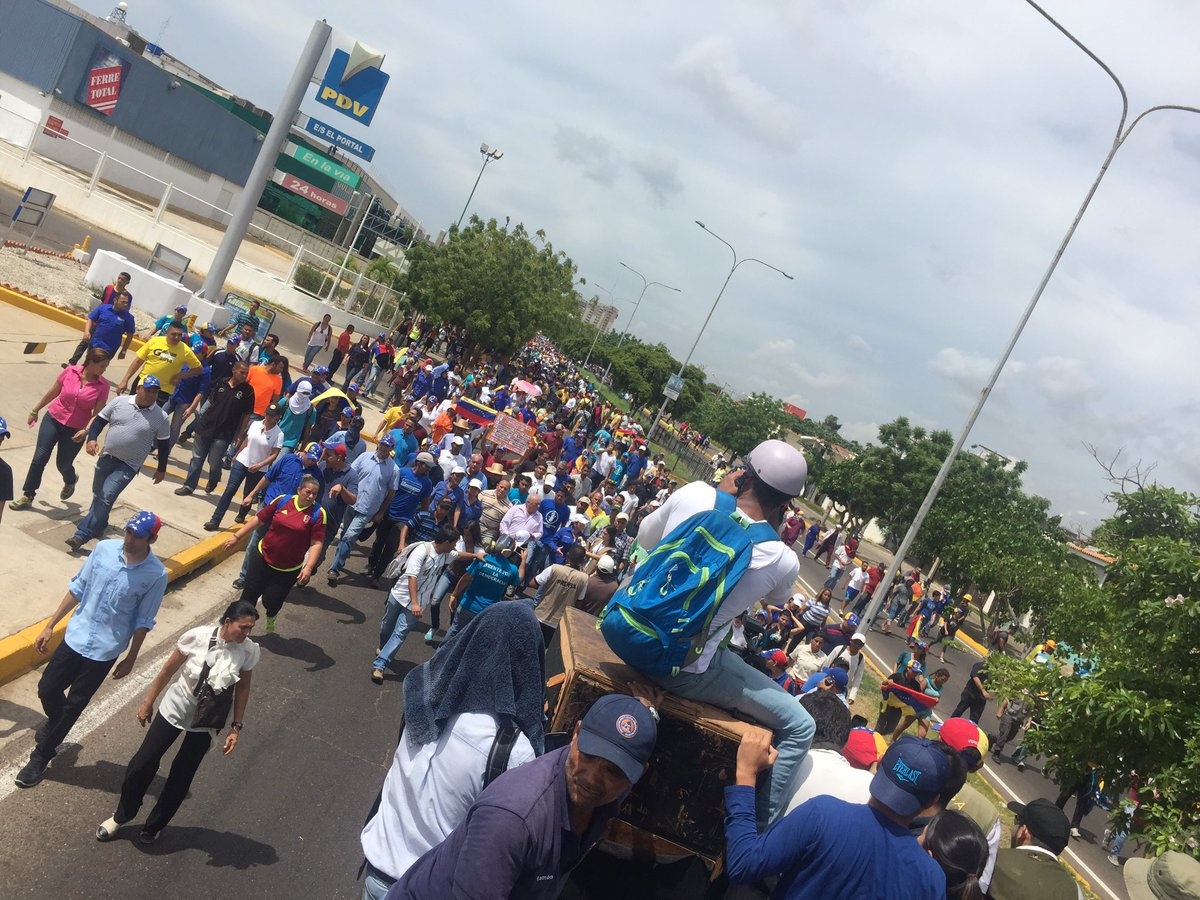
(1084, 854)
(278, 817)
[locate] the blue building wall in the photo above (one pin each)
(51, 49)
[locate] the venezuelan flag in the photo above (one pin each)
(475, 412)
(907, 699)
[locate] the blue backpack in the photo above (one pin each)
(660, 622)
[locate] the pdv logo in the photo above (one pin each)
(354, 83)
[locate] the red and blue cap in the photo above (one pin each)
(144, 524)
(620, 729)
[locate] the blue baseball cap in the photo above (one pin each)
(321, 370)
(853, 620)
(840, 677)
(313, 451)
(151, 381)
(911, 774)
(4, 432)
(354, 386)
(620, 729)
(234, 339)
(387, 441)
(182, 307)
(347, 410)
(144, 524)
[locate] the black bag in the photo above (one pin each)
(212, 707)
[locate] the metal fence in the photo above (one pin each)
(685, 460)
(343, 283)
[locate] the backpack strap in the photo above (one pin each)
(498, 756)
(759, 532)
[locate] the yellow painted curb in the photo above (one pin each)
(17, 652)
(972, 643)
(48, 310)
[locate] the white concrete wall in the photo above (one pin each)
(20, 110)
(152, 293)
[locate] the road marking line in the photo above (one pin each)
(96, 714)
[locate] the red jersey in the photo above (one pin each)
(293, 530)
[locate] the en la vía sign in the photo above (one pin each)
(328, 133)
(315, 194)
(104, 88)
(353, 88)
(323, 165)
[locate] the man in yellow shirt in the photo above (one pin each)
(167, 358)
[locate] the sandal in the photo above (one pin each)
(108, 829)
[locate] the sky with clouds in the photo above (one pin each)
(912, 164)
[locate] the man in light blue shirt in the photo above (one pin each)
(378, 478)
(115, 598)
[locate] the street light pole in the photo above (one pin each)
(489, 154)
(1119, 138)
(736, 262)
(633, 315)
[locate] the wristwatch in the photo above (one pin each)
(238, 725)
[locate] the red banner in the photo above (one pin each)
(315, 194)
(794, 410)
(104, 88)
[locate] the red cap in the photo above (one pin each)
(864, 748)
(963, 734)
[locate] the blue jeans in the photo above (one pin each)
(110, 479)
(834, 576)
(374, 888)
(212, 449)
(369, 384)
(397, 622)
(735, 686)
(255, 536)
(349, 538)
(310, 353)
(52, 434)
(539, 555)
(237, 474)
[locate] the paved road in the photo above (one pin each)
(280, 817)
(1085, 855)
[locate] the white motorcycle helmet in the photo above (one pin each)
(779, 465)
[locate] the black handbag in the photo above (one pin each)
(212, 706)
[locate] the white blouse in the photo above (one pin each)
(226, 662)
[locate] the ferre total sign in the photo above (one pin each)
(104, 88)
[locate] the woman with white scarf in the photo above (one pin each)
(230, 656)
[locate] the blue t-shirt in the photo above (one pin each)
(443, 489)
(406, 444)
(413, 490)
(828, 849)
(111, 326)
(187, 389)
(634, 467)
(490, 578)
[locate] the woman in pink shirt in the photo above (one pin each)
(78, 394)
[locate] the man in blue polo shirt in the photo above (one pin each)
(555, 514)
(109, 327)
(529, 828)
(115, 598)
(452, 488)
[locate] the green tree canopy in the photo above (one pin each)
(494, 281)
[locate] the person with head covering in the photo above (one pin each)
(298, 415)
(531, 827)
(485, 685)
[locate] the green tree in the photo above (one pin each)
(1138, 708)
(494, 281)
(739, 425)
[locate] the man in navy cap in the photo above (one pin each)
(115, 598)
(830, 848)
(532, 825)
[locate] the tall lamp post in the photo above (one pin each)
(489, 154)
(736, 262)
(633, 315)
(1122, 133)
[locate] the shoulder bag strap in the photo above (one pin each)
(498, 756)
(212, 642)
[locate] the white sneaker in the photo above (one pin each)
(1114, 859)
(1076, 833)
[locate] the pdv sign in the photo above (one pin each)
(353, 83)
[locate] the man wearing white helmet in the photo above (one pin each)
(775, 473)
